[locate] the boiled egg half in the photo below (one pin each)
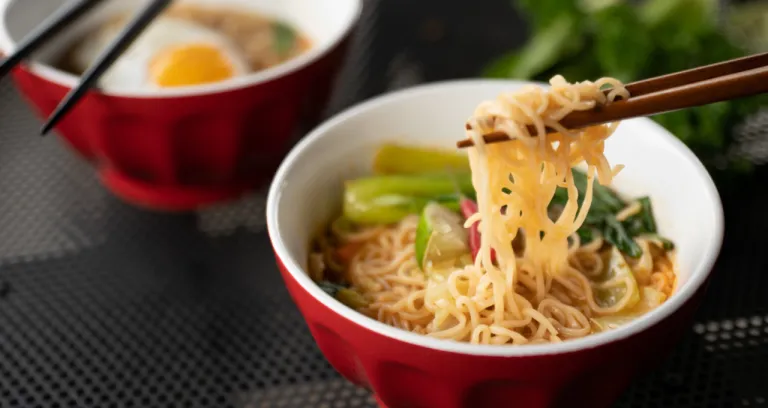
(170, 53)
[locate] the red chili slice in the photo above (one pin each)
(468, 209)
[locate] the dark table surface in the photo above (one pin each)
(105, 305)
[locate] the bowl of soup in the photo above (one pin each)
(545, 271)
(203, 105)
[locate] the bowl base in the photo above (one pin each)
(168, 198)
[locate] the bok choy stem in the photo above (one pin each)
(387, 199)
(399, 159)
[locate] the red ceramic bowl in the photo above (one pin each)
(410, 370)
(180, 148)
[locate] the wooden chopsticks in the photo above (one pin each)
(731, 79)
(689, 76)
(106, 59)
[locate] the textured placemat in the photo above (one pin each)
(105, 305)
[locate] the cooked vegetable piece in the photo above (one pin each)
(468, 209)
(387, 199)
(440, 236)
(615, 233)
(601, 219)
(351, 298)
(284, 38)
(343, 294)
(609, 295)
(650, 299)
(642, 222)
(399, 159)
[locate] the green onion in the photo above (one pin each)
(284, 38)
(398, 159)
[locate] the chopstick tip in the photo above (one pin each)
(47, 128)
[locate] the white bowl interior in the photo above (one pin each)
(325, 22)
(308, 188)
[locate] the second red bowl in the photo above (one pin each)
(178, 149)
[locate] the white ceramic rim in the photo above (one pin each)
(48, 72)
(683, 295)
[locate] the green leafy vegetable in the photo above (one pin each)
(604, 199)
(586, 234)
(284, 38)
(615, 233)
(601, 219)
(642, 222)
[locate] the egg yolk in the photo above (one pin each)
(191, 64)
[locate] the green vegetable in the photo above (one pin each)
(284, 38)
(391, 208)
(398, 159)
(351, 298)
(601, 219)
(343, 294)
(642, 222)
(615, 233)
(440, 236)
(387, 199)
(633, 40)
(662, 242)
(603, 198)
(586, 234)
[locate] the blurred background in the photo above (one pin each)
(106, 305)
